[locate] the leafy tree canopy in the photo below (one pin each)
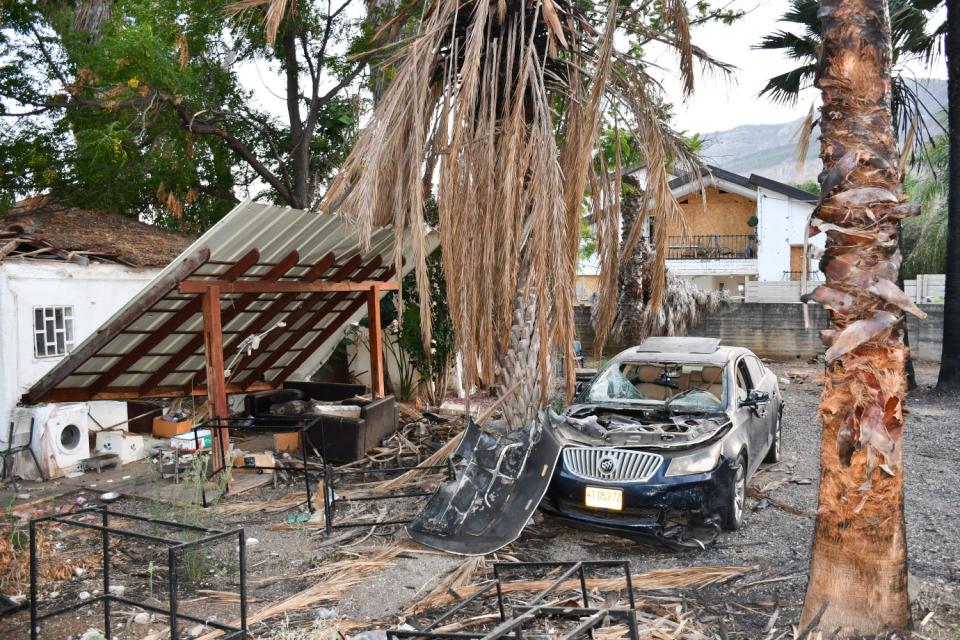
(139, 106)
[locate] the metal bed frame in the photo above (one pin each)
(174, 549)
(513, 621)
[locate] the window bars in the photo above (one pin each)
(175, 549)
(513, 619)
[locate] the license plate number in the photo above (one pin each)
(602, 498)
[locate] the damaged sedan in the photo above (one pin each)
(662, 442)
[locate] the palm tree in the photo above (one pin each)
(858, 570)
(949, 379)
(910, 40)
(499, 103)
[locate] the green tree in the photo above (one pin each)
(911, 37)
(925, 237)
(139, 107)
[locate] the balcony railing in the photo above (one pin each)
(795, 276)
(712, 247)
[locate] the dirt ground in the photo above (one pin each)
(774, 544)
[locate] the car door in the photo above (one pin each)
(752, 419)
(766, 381)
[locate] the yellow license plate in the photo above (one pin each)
(602, 498)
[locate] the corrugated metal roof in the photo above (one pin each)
(153, 346)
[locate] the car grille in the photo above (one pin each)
(611, 465)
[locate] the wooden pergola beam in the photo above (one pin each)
(255, 287)
(191, 346)
(81, 394)
(163, 331)
(216, 384)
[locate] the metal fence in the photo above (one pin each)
(712, 247)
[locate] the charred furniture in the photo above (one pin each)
(347, 439)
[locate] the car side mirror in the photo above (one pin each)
(755, 398)
(578, 388)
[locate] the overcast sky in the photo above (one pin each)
(720, 104)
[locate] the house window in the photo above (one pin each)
(52, 331)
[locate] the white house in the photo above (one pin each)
(737, 229)
(63, 272)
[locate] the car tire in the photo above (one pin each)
(773, 453)
(737, 500)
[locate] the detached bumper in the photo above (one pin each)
(650, 509)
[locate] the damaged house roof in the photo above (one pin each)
(42, 228)
(154, 345)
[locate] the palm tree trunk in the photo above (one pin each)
(858, 567)
(949, 378)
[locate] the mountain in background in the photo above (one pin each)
(770, 150)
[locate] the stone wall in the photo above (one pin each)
(776, 330)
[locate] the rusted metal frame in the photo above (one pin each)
(354, 303)
(190, 348)
(377, 388)
(292, 319)
(256, 287)
(154, 293)
(171, 323)
(276, 308)
(344, 315)
(126, 393)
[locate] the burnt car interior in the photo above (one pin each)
(701, 385)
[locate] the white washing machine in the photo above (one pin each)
(60, 435)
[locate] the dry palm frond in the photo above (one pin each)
(183, 51)
(659, 579)
(499, 103)
(272, 18)
(683, 303)
(804, 134)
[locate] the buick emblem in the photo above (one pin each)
(607, 465)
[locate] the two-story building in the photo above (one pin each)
(737, 229)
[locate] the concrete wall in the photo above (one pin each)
(95, 292)
(776, 330)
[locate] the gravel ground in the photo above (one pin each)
(773, 540)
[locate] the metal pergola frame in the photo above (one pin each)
(513, 621)
(174, 549)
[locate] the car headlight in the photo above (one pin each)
(701, 461)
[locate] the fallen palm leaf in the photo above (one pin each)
(651, 580)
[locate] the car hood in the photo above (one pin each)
(628, 426)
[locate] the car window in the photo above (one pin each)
(756, 370)
(652, 382)
(743, 379)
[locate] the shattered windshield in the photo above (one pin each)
(680, 386)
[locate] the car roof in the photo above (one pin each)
(683, 349)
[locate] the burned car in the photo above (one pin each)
(662, 442)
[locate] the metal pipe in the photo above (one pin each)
(122, 532)
(33, 580)
(180, 614)
(172, 581)
(242, 541)
(106, 573)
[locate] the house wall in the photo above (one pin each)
(95, 292)
(782, 223)
(725, 214)
(776, 330)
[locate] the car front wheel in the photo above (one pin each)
(738, 497)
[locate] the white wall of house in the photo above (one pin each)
(95, 292)
(782, 221)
